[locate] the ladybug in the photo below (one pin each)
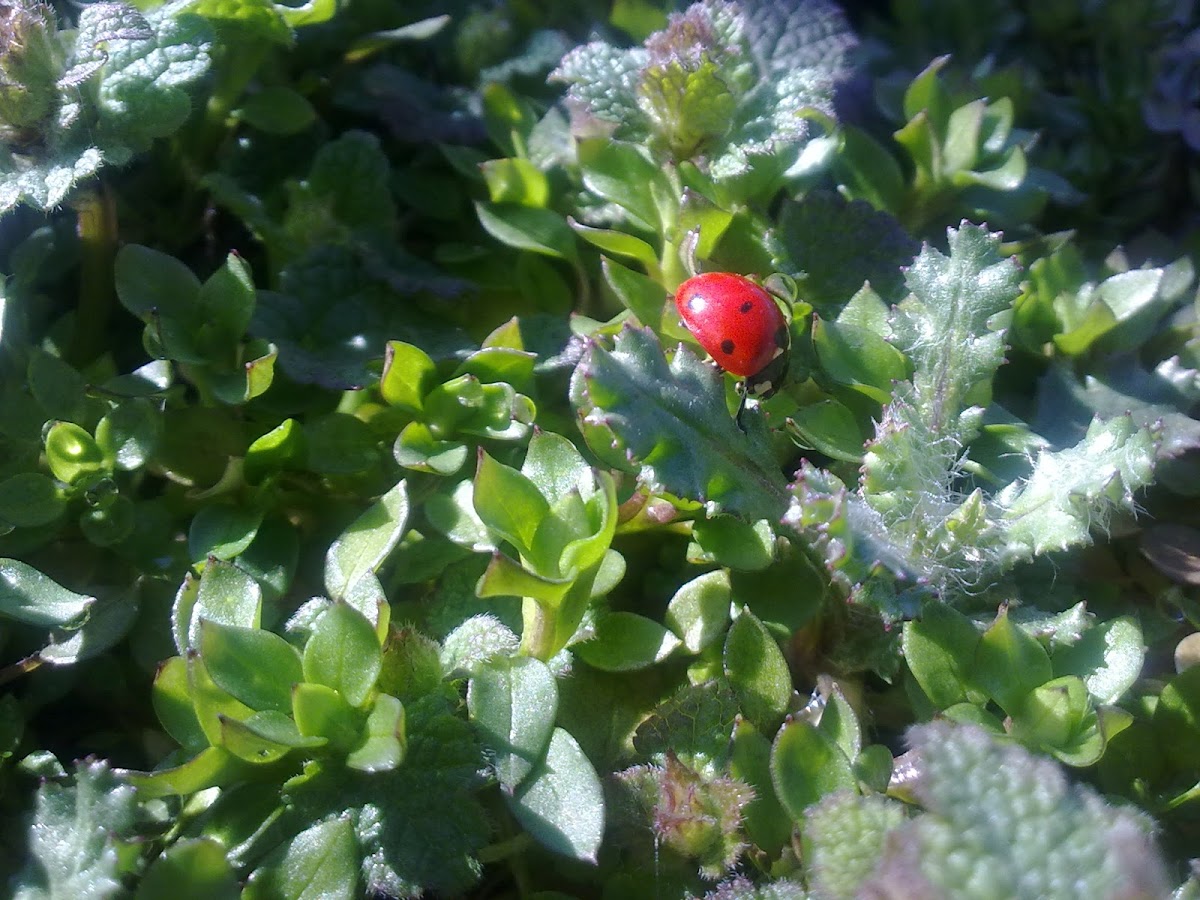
(740, 325)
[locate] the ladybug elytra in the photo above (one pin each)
(740, 325)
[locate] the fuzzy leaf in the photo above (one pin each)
(946, 325)
(839, 244)
(845, 836)
(1071, 491)
(72, 851)
(998, 815)
(672, 421)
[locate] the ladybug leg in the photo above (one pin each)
(743, 393)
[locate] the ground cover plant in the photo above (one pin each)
(375, 523)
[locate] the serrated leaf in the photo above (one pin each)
(72, 836)
(673, 421)
(1108, 658)
(998, 809)
(1073, 490)
(946, 327)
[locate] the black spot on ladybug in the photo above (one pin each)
(747, 306)
(727, 347)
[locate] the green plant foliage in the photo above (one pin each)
(75, 831)
(366, 499)
(133, 70)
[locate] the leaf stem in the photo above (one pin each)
(97, 229)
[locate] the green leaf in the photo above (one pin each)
(321, 711)
(513, 703)
(30, 500)
(416, 448)
(277, 109)
(29, 596)
(222, 531)
(927, 94)
(757, 671)
(868, 172)
(831, 428)
(516, 180)
(641, 295)
(561, 803)
(1009, 664)
(129, 434)
(507, 578)
(730, 542)
(151, 283)
(226, 595)
(625, 641)
(508, 503)
(384, 738)
(72, 453)
(940, 651)
(214, 707)
(1108, 658)
(408, 375)
(364, 546)
(525, 228)
(839, 721)
(192, 869)
(343, 653)
(617, 243)
(280, 448)
(807, 765)
(172, 700)
(699, 610)
(257, 667)
(226, 303)
(767, 823)
(211, 767)
(1052, 714)
(320, 863)
(72, 838)
(621, 173)
(673, 421)
(1177, 719)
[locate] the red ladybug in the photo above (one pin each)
(739, 323)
